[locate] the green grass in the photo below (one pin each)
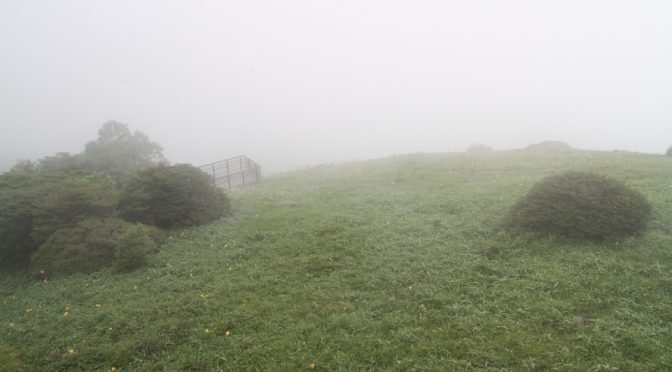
(391, 264)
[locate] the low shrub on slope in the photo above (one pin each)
(581, 205)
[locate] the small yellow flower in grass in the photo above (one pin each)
(191, 275)
(410, 287)
(204, 296)
(109, 329)
(66, 312)
(98, 306)
(227, 333)
(135, 287)
(71, 351)
(11, 325)
(45, 281)
(422, 307)
(112, 370)
(29, 310)
(207, 331)
(311, 365)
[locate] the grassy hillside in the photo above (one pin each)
(397, 264)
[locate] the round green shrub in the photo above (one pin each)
(581, 205)
(85, 247)
(132, 247)
(172, 197)
(65, 200)
(549, 146)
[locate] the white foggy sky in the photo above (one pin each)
(293, 83)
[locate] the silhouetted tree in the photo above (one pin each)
(117, 151)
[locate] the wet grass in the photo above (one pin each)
(392, 264)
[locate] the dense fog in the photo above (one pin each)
(298, 83)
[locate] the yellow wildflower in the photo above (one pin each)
(29, 310)
(422, 307)
(72, 351)
(98, 306)
(311, 365)
(207, 331)
(66, 311)
(227, 334)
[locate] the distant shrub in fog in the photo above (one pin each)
(549, 146)
(479, 148)
(669, 151)
(581, 205)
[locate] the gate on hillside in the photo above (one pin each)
(235, 172)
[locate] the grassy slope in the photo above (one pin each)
(397, 263)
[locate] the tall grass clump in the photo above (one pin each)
(581, 205)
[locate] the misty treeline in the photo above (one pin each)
(109, 205)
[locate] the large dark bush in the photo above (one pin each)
(84, 247)
(18, 195)
(46, 207)
(581, 205)
(65, 200)
(171, 197)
